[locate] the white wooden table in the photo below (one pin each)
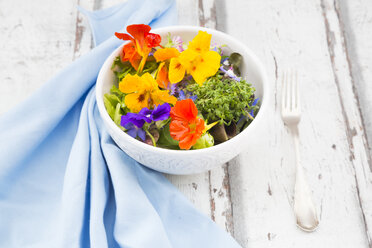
(328, 42)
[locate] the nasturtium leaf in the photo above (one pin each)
(165, 140)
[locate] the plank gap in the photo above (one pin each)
(330, 35)
(355, 92)
(218, 178)
(79, 30)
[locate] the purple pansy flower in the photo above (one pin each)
(161, 112)
(137, 119)
(134, 122)
(134, 131)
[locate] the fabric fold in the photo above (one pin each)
(63, 180)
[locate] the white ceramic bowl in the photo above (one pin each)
(189, 161)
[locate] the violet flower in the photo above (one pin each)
(161, 112)
(137, 119)
(133, 122)
(134, 131)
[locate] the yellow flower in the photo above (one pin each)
(143, 92)
(166, 53)
(197, 60)
(176, 70)
(200, 66)
(201, 42)
(163, 77)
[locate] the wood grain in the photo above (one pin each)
(294, 34)
(356, 21)
(35, 37)
(354, 127)
(326, 41)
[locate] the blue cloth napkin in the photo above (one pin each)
(65, 183)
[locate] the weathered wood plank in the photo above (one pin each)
(285, 33)
(188, 12)
(356, 23)
(292, 34)
(344, 78)
(356, 20)
(36, 41)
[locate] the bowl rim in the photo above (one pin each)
(180, 28)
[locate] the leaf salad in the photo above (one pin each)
(178, 95)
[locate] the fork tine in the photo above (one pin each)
(283, 91)
(298, 102)
(291, 112)
(288, 90)
(293, 91)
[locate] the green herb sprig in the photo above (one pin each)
(223, 99)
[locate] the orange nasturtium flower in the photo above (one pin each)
(197, 60)
(164, 55)
(143, 92)
(185, 126)
(140, 44)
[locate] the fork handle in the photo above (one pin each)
(304, 208)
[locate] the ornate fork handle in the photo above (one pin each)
(304, 208)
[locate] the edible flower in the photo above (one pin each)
(161, 112)
(134, 122)
(140, 44)
(185, 126)
(176, 70)
(164, 55)
(162, 76)
(134, 131)
(177, 43)
(197, 60)
(143, 92)
(254, 104)
(137, 119)
(230, 73)
(167, 53)
(188, 95)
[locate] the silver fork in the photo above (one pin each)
(304, 209)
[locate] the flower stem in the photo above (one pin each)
(249, 115)
(152, 138)
(142, 64)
